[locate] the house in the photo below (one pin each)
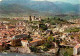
(76, 50)
(36, 42)
(16, 42)
(1, 47)
(24, 43)
(22, 36)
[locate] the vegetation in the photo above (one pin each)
(47, 45)
(33, 49)
(66, 54)
(55, 20)
(75, 29)
(45, 49)
(34, 27)
(50, 39)
(67, 51)
(43, 26)
(9, 20)
(30, 39)
(68, 17)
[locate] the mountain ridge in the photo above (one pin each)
(39, 6)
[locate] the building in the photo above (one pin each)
(24, 43)
(16, 40)
(36, 42)
(76, 50)
(22, 36)
(1, 48)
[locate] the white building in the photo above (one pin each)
(24, 43)
(76, 50)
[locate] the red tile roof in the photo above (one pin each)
(77, 46)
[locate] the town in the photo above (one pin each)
(36, 34)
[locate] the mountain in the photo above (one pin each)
(67, 7)
(15, 9)
(37, 7)
(44, 6)
(54, 7)
(15, 1)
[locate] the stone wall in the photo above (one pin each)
(20, 49)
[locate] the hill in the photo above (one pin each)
(15, 9)
(37, 7)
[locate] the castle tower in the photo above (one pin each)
(30, 19)
(33, 18)
(39, 18)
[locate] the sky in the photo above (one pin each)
(0, 0)
(69, 1)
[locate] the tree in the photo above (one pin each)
(66, 54)
(50, 39)
(45, 49)
(33, 49)
(47, 45)
(43, 26)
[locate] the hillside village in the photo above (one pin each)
(37, 35)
